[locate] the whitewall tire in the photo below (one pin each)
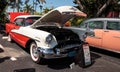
(34, 53)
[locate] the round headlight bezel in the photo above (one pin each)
(49, 39)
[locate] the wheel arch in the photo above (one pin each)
(27, 46)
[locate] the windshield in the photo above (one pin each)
(30, 20)
(46, 24)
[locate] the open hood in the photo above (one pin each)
(60, 15)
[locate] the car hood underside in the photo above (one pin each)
(60, 15)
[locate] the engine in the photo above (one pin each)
(63, 36)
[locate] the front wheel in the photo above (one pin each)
(34, 53)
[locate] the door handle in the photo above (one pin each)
(106, 31)
(116, 36)
(96, 37)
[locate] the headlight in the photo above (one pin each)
(49, 39)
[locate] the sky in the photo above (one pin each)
(57, 3)
(51, 3)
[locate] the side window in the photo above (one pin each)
(30, 20)
(19, 21)
(83, 25)
(96, 24)
(113, 25)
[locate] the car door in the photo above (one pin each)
(95, 33)
(18, 23)
(111, 36)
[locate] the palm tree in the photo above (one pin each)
(11, 4)
(79, 4)
(15, 3)
(41, 1)
(13, 7)
(40, 7)
(96, 8)
(46, 10)
(3, 19)
(28, 8)
(35, 3)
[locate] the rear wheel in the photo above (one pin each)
(34, 53)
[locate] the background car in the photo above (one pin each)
(103, 33)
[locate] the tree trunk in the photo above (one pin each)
(17, 5)
(103, 8)
(80, 5)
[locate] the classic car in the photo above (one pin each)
(21, 20)
(48, 38)
(103, 33)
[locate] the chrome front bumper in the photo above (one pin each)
(69, 51)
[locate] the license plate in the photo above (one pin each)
(71, 54)
(87, 54)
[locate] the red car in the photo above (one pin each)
(22, 20)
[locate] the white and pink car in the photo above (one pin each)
(47, 37)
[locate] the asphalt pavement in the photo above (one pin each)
(13, 58)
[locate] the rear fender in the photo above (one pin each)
(10, 26)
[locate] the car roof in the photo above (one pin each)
(26, 16)
(103, 19)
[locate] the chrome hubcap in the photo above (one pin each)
(34, 52)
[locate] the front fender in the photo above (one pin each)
(38, 36)
(43, 44)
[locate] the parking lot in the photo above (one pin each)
(14, 58)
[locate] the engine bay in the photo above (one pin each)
(63, 36)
